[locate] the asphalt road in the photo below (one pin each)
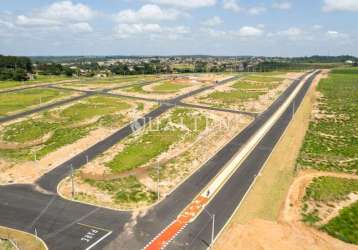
(197, 235)
(66, 225)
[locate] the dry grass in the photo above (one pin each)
(24, 241)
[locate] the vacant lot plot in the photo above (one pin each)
(162, 89)
(251, 93)
(25, 99)
(330, 204)
(110, 82)
(169, 148)
(74, 127)
(331, 143)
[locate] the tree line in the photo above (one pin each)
(15, 68)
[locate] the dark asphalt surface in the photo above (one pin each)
(57, 220)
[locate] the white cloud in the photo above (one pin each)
(81, 27)
(57, 14)
(127, 30)
(248, 31)
(282, 5)
(36, 21)
(6, 24)
(292, 32)
(214, 21)
(257, 10)
(340, 5)
(232, 5)
(123, 31)
(213, 33)
(335, 34)
(67, 11)
(148, 13)
(190, 4)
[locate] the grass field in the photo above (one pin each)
(345, 225)
(65, 126)
(331, 143)
(180, 125)
(11, 102)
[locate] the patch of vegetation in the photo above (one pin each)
(264, 79)
(345, 225)
(6, 245)
(66, 126)
(169, 87)
(11, 102)
(95, 106)
(181, 125)
(331, 143)
(9, 84)
(330, 189)
(126, 190)
(310, 218)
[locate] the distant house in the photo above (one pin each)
(349, 62)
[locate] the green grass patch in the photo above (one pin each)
(331, 143)
(93, 107)
(327, 189)
(9, 84)
(345, 225)
(233, 97)
(125, 190)
(158, 139)
(11, 102)
(65, 126)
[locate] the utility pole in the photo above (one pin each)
(72, 182)
(158, 180)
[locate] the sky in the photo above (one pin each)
(179, 27)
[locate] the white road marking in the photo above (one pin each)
(99, 240)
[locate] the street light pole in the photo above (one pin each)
(158, 180)
(212, 231)
(212, 216)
